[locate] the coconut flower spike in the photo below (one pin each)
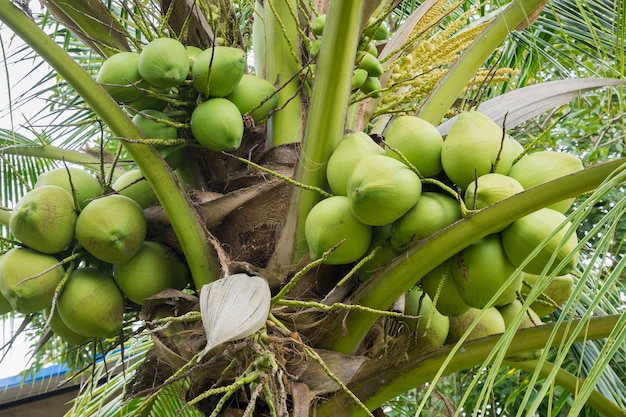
(232, 308)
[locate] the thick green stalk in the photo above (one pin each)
(383, 382)
(282, 63)
(345, 331)
(59, 154)
(326, 117)
(571, 383)
(201, 256)
(464, 69)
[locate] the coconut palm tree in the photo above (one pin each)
(315, 336)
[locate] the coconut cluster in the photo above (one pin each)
(86, 249)
(173, 90)
(384, 202)
(368, 69)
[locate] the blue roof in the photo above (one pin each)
(48, 372)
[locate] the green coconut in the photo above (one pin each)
(489, 189)
(382, 189)
(133, 184)
(558, 291)
(372, 87)
(432, 212)
(119, 76)
(511, 310)
(112, 228)
(250, 92)
(370, 63)
(543, 166)
(71, 179)
(481, 270)
(440, 286)
(164, 62)
(491, 323)
(385, 252)
(192, 53)
(28, 279)
(5, 305)
(529, 319)
(330, 223)
(429, 326)
(317, 25)
(44, 219)
(217, 71)
(349, 151)
(524, 235)
(359, 76)
(153, 125)
(149, 101)
(60, 329)
(418, 141)
(153, 269)
(472, 148)
(217, 124)
(91, 304)
(510, 153)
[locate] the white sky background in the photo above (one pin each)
(11, 76)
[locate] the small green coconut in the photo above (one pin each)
(164, 62)
(382, 189)
(558, 291)
(5, 305)
(153, 269)
(250, 92)
(217, 71)
(524, 235)
(429, 326)
(60, 329)
(385, 252)
(370, 63)
(330, 223)
(481, 270)
(91, 304)
(490, 188)
(418, 141)
(134, 185)
(349, 151)
(72, 179)
(112, 228)
(432, 212)
(44, 219)
(472, 147)
(28, 279)
(154, 124)
(119, 76)
(217, 124)
(440, 286)
(359, 76)
(543, 166)
(489, 324)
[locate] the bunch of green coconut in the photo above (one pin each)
(384, 202)
(81, 255)
(368, 69)
(169, 86)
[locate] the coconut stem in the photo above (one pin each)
(385, 381)
(326, 118)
